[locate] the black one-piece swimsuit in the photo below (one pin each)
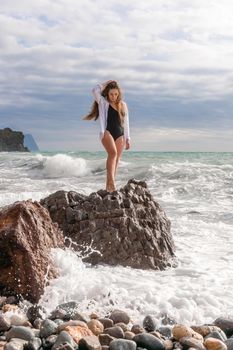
(113, 123)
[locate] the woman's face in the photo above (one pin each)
(112, 95)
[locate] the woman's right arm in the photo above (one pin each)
(97, 92)
(98, 89)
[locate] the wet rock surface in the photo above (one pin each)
(126, 227)
(27, 235)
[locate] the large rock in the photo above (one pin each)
(126, 227)
(12, 141)
(26, 236)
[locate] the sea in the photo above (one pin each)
(196, 192)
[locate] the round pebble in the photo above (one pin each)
(107, 323)
(5, 323)
(190, 342)
(71, 323)
(78, 332)
(165, 331)
(48, 327)
(148, 341)
(226, 324)
(214, 344)
(34, 344)
(119, 316)
(63, 338)
(149, 323)
(137, 329)
(115, 331)
(205, 330)
(180, 331)
(93, 315)
(89, 343)
(218, 335)
(122, 325)
(229, 343)
(105, 339)
(15, 344)
(20, 332)
(168, 344)
(49, 342)
(122, 344)
(129, 335)
(95, 326)
(18, 319)
(9, 307)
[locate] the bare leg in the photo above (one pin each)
(109, 145)
(120, 144)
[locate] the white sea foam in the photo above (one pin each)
(191, 293)
(62, 165)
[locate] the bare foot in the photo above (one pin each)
(111, 187)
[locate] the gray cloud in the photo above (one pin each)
(172, 58)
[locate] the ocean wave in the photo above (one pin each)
(62, 165)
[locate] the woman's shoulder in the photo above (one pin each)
(123, 103)
(124, 106)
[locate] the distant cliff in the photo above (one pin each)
(30, 143)
(12, 141)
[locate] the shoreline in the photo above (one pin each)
(22, 326)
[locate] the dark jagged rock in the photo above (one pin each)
(126, 227)
(27, 234)
(12, 141)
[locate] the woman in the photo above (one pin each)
(114, 125)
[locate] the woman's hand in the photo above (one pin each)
(127, 144)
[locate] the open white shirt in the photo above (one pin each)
(103, 112)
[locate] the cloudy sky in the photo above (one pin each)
(172, 58)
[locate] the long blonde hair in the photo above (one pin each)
(94, 113)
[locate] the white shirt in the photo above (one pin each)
(103, 112)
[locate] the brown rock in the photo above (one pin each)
(94, 316)
(115, 332)
(136, 329)
(71, 323)
(205, 330)
(15, 344)
(156, 334)
(122, 325)
(214, 344)
(19, 319)
(168, 344)
(127, 227)
(105, 339)
(129, 335)
(190, 342)
(90, 343)
(2, 344)
(119, 316)
(78, 332)
(107, 323)
(10, 307)
(95, 326)
(26, 236)
(180, 331)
